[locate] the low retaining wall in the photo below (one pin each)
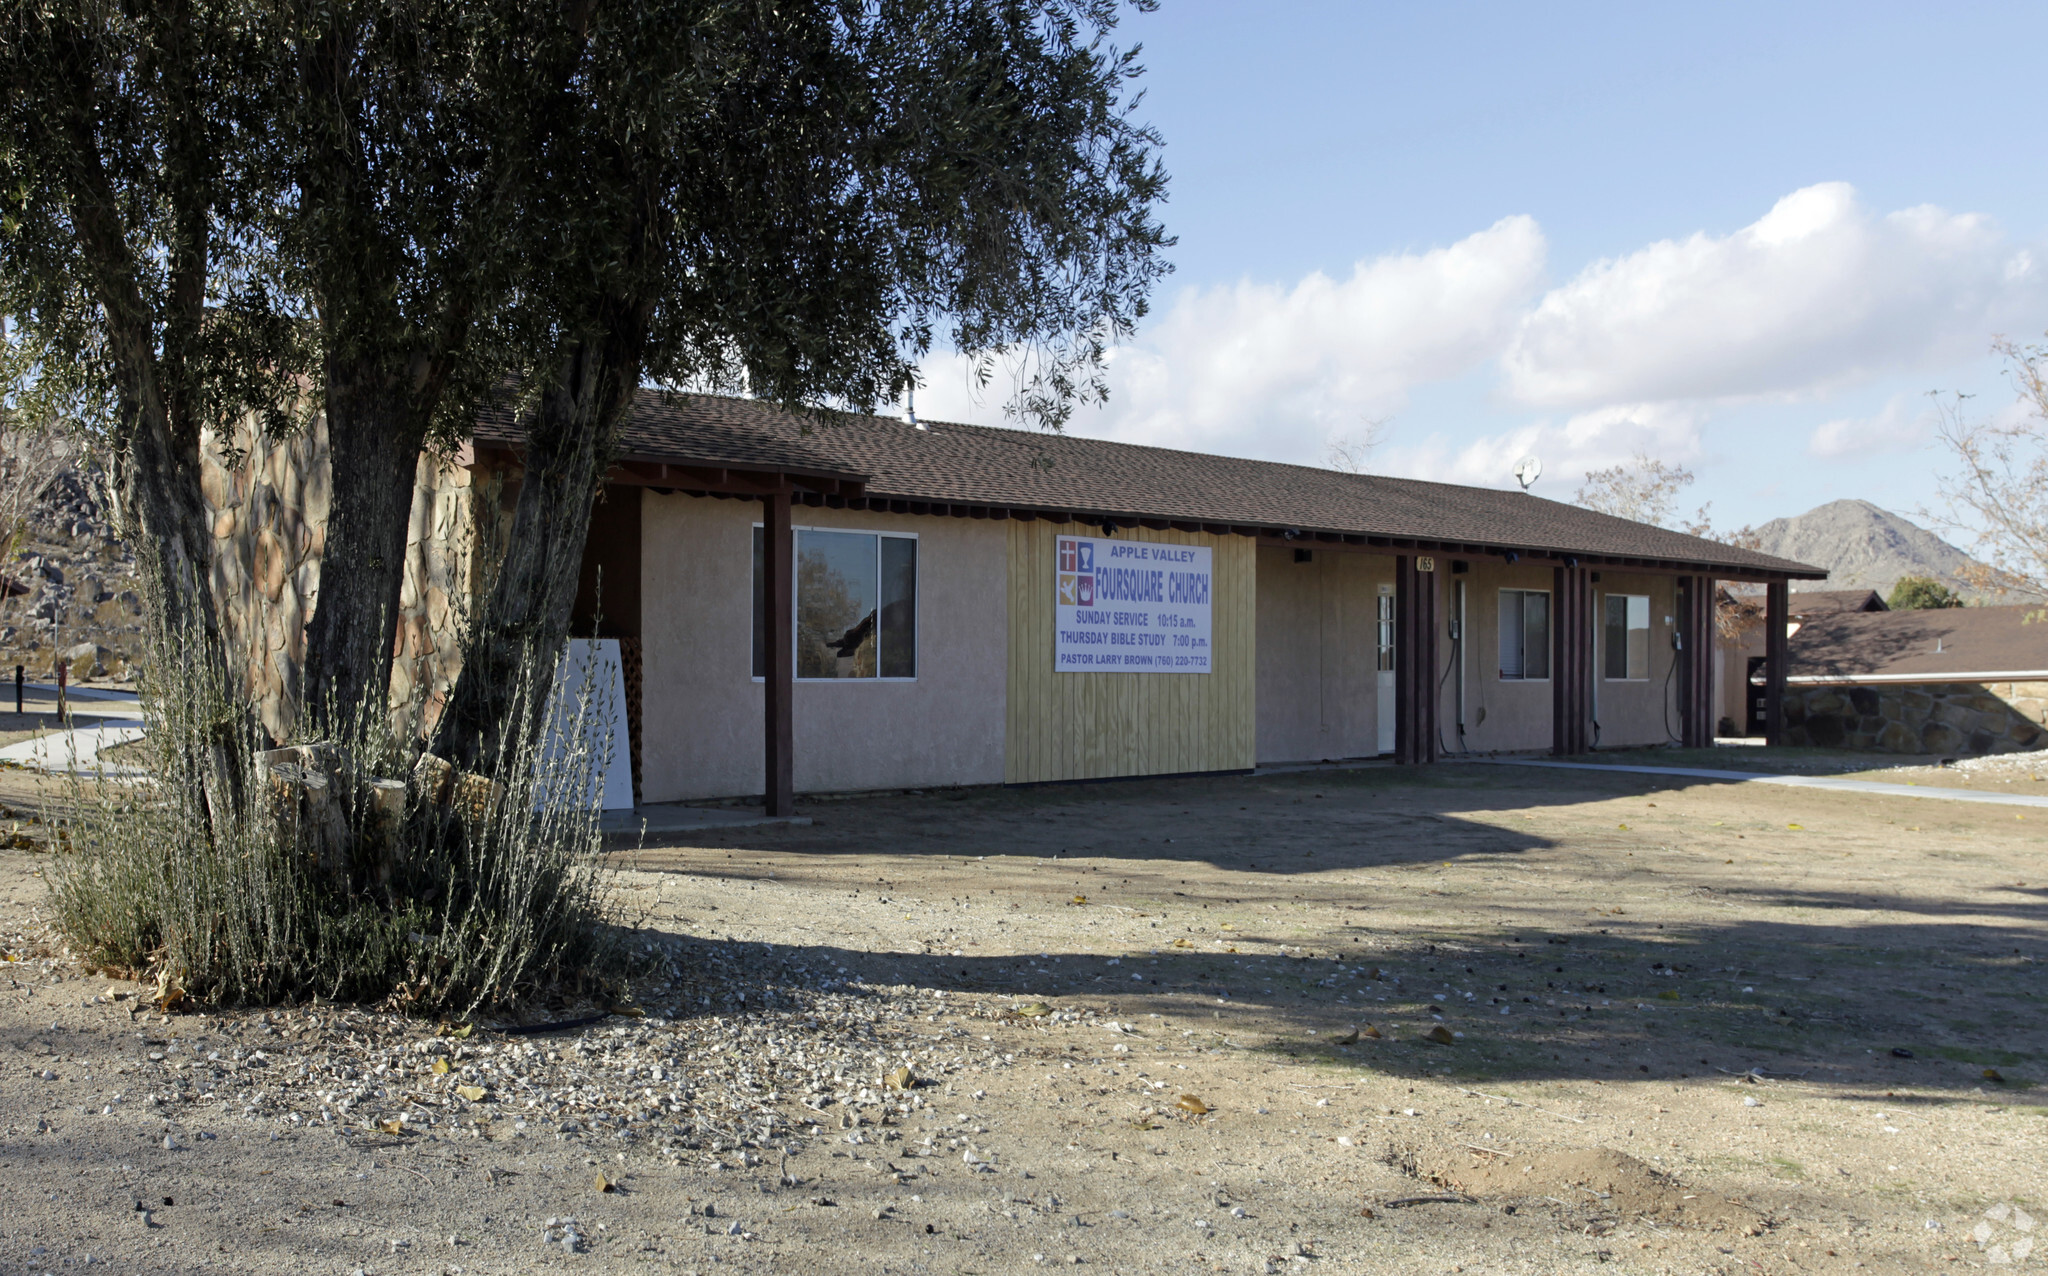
(1929, 717)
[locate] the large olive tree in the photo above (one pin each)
(794, 200)
(391, 212)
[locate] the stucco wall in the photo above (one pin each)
(1514, 716)
(1499, 716)
(1644, 711)
(1318, 676)
(703, 709)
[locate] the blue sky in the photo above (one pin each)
(1744, 238)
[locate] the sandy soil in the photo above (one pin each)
(1691, 1028)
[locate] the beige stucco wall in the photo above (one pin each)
(1641, 712)
(703, 709)
(1499, 716)
(1504, 716)
(1318, 691)
(1317, 681)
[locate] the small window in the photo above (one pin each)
(1386, 628)
(856, 605)
(1524, 635)
(1627, 638)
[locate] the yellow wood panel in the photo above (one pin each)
(1077, 726)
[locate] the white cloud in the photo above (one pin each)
(1276, 371)
(1674, 349)
(1904, 423)
(1584, 442)
(1818, 293)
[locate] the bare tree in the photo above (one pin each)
(1998, 495)
(1646, 490)
(1352, 453)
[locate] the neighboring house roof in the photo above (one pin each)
(1066, 475)
(1811, 604)
(1949, 644)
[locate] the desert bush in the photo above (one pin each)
(353, 869)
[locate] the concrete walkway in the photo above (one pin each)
(663, 819)
(74, 752)
(101, 718)
(1791, 781)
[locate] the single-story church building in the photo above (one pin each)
(811, 603)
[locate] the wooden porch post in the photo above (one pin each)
(1415, 659)
(778, 560)
(1777, 653)
(1571, 663)
(1696, 661)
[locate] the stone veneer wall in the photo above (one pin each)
(269, 499)
(1929, 717)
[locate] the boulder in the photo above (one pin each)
(83, 661)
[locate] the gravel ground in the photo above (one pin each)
(1601, 1021)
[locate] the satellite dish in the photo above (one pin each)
(1527, 471)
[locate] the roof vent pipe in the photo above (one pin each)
(910, 409)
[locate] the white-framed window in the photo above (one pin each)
(1524, 635)
(856, 605)
(1625, 637)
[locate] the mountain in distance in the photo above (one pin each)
(1862, 546)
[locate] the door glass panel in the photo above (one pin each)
(1386, 632)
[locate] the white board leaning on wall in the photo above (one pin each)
(591, 667)
(1131, 606)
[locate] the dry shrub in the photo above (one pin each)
(202, 876)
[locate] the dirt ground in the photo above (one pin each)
(1602, 1021)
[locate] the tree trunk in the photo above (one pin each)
(525, 622)
(156, 470)
(374, 437)
(156, 447)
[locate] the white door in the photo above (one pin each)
(1385, 676)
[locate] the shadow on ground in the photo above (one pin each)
(1316, 902)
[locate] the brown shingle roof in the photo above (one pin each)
(1814, 603)
(1093, 478)
(1935, 645)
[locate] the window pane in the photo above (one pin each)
(1639, 636)
(1510, 633)
(760, 608)
(1614, 641)
(899, 607)
(835, 605)
(1535, 635)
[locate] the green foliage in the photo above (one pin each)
(1920, 593)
